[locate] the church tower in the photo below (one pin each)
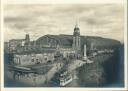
(27, 38)
(76, 39)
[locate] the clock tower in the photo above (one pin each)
(76, 39)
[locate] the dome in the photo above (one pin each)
(76, 30)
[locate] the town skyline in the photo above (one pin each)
(56, 19)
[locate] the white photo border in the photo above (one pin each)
(3, 2)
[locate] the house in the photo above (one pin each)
(23, 59)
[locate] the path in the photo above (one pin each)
(52, 71)
(75, 64)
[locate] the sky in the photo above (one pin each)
(104, 20)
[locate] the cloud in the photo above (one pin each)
(103, 20)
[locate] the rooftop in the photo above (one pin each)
(36, 52)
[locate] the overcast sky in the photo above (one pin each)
(105, 20)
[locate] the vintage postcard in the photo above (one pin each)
(80, 45)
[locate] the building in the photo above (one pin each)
(23, 59)
(76, 39)
(67, 44)
(15, 43)
(6, 47)
(64, 45)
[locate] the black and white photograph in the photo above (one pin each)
(64, 45)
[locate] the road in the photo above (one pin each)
(75, 64)
(56, 67)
